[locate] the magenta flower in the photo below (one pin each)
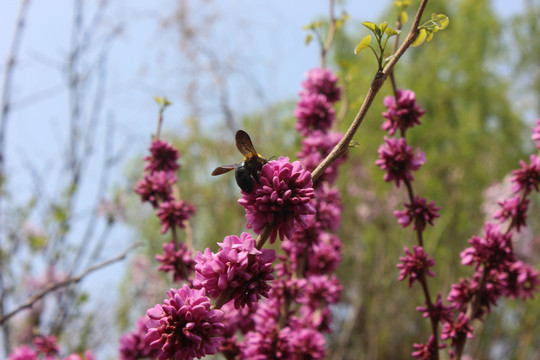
(306, 344)
(319, 319)
(282, 198)
(398, 160)
(156, 187)
(163, 157)
(514, 209)
(320, 290)
(322, 81)
(23, 353)
(419, 213)
(179, 262)
(413, 265)
(439, 313)
(461, 294)
(536, 133)
(235, 319)
(520, 281)
(315, 147)
(426, 351)
(134, 346)
(405, 114)
(494, 250)
(455, 330)
(329, 207)
(324, 255)
(238, 265)
(528, 177)
(313, 112)
(184, 327)
(265, 341)
(46, 345)
(174, 213)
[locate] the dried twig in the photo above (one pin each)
(60, 284)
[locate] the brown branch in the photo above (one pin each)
(376, 85)
(330, 37)
(60, 284)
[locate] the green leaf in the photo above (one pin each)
(444, 21)
(429, 36)
(391, 32)
(383, 26)
(162, 101)
(354, 144)
(422, 34)
(371, 26)
(362, 44)
(435, 19)
(308, 39)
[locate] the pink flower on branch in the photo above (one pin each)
(174, 213)
(282, 199)
(179, 262)
(184, 327)
(493, 250)
(414, 264)
(398, 160)
(322, 81)
(528, 177)
(314, 112)
(403, 114)
(238, 266)
(163, 157)
(419, 213)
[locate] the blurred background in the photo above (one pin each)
(78, 82)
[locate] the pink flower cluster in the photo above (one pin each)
(314, 110)
(497, 273)
(238, 266)
(282, 198)
(291, 322)
(156, 188)
(402, 112)
(184, 327)
(157, 185)
(46, 347)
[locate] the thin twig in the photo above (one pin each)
(4, 115)
(60, 284)
(376, 85)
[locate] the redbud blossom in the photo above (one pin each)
(314, 112)
(174, 213)
(281, 199)
(322, 81)
(398, 160)
(184, 327)
(238, 265)
(413, 265)
(403, 114)
(163, 157)
(419, 213)
(528, 177)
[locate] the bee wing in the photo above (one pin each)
(223, 169)
(244, 144)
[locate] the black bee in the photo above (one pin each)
(248, 169)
